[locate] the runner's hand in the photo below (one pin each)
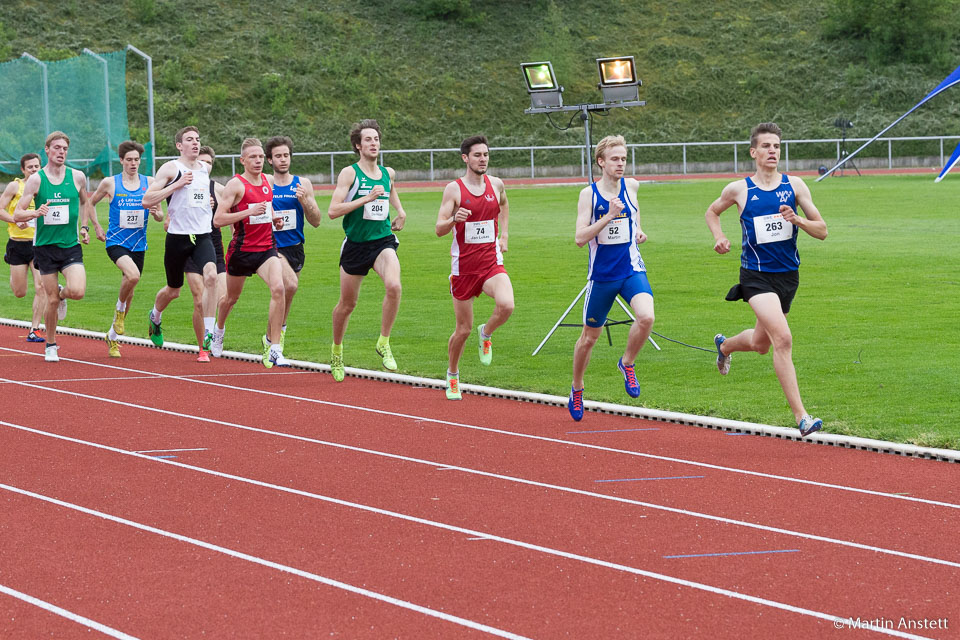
(376, 192)
(722, 245)
(398, 222)
(789, 215)
(84, 236)
(461, 215)
(101, 236)
(503, 242)
(641, 236)
(616, 206)
(185, 179)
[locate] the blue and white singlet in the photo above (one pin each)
(769, 241)
(285, 202)
(127, 226)
(613, 252)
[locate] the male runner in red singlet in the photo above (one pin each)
(475, 209)
(246, 203)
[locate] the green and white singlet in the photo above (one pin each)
(372, 220)
(59, 226)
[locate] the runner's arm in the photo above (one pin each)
(311, 210)
(450, 212)
(5, 198)
(586, 231)
(30, 188)
(232, 194)
(504, 218)
(165, 176)
(813, 224)
(337, 205)
(401, 218)
(728, 198)
(156, 210)
(633, 188)
(87, 211)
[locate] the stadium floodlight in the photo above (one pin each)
(542, 85)
(618, 79)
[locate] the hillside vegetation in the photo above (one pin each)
(433, 71)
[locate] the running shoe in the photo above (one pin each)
(113, 348)
(283, 336)
(203, 356)
(383, 350)
(36, 335)
(267, 360)
(336, 366)
(50, 353)
(485, 347)
(723, 362)
(154, 331)
(453, 387)
(118, 318)
(809, 424)
(216, 344)
(629, 379)
(207, 341)
(276, 356)
(575, 404)
(62, 307)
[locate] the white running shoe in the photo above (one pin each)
(62, 307)
(216, 345)
(50, 353)
(723, 362)
(276, 356)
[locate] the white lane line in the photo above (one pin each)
(438, 525)
(160, 376)
(268, 563)
(569, 443)
(513, 479)
(168, 450)
(73, 617)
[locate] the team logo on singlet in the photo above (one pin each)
(783, 195)
(266, 189)
(488, 198)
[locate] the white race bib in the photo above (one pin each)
(289, 217)
(379, 209)
(198, 196)
(772, 228)
(263, 218)
(32, 222)
(617, 231)
(478, 232)
(57, 214)
(132, 219)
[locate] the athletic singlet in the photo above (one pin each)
(127, 220)
(16, 232)
(59, 226)
(474, 249)
(613, 252)
(253, 233)
(189, 207)
(769, 241)
(285, 203)
(372, 220)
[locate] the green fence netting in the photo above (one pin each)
(75, 102)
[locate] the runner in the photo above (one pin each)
(769, 261)
(61, 192)
(126, 235)
(247, 204)
(185, 184)
(364, 195)
(293, 201)
(19, 254)
(608, 220)
(475, 209)
(205, 307)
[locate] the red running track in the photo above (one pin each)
(299, 507)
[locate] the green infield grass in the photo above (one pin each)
(875, 322)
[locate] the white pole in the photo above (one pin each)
(106, 92)
(153, 140)
(46, 94)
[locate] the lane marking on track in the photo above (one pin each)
(73, 617)
(615, 430)
(533, 483)
(639, 479)
(733, 553)
(438, 525)
(169, 450)
(159, 376)
(270, 564)
(569, 443)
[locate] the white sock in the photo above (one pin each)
(283, 328)
(112, 334)
(452, 375)
(155, 315)
(121, 306)
(208, 323)
(217, 331)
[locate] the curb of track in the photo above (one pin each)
(721, 424)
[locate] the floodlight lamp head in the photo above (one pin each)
(842, 123)
(618, 79)
(542, 84)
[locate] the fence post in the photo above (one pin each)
(431, 165)
(890, 154)
(633, 160)
(787, 148)
(531, 162)
(332, 179)
(583, 167)
(233, 165)
(684, 159)
(941, 152)
(735, 165)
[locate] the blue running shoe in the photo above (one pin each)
(723, 362)
(575, 404)
(809, 424)
(629, 379)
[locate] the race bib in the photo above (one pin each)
(198, 196)
(263, 218)
(379, 209)
(617, 231)
(57, 214)
(32, 222)
(132, 219)
(289, 217)
(772, 228)
(478, 232)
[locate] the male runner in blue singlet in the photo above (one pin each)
(769, 261)
(608, 221)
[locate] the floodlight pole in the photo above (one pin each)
(46, 98)
(106, 96)
(153, 142)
